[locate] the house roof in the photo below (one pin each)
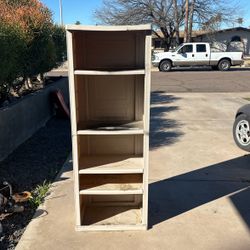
(198, 33)
(226, 30)
(194, 33)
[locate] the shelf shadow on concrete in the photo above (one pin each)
(171, 197)
(163, 131)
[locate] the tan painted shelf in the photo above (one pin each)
(110, 72)
(111, 184)
(109, 82)
(132, 128)
(110, 164)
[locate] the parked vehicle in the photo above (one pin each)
(196, 54)
(241, 128)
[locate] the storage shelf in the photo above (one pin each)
(110, 164)
(110, 99)
(133, 128)
(110, 72)
(111, 184)
(116, 216)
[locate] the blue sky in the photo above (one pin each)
(82, 10)
(74, 10)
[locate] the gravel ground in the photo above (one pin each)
(39, 158)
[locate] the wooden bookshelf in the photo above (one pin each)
(109, 81)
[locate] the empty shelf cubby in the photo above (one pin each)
(115, 211)
(99, 50)
(109, 102)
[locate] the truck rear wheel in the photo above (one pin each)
(224, 65)
(165, 66)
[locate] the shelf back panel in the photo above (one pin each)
(112, 50)
(107, 100)
(110, 145)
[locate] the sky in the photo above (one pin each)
(74, 10)
(82, 10)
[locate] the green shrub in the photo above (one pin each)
(59, 40)
(30, 44)
(12, 49)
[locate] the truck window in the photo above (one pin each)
(201, 48)
(186, 49)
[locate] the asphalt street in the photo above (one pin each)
(202, 80)
(194, 80)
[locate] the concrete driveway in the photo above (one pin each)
(199, 184)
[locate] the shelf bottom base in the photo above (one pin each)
(111, 218)
(90, 228)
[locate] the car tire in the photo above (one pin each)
(241, 132)
(165, 66)
(224, 65)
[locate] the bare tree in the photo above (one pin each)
(160, 13)
(176, 22)
(169, 16)
(190, 20)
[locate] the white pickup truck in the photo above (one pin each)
(196, 54)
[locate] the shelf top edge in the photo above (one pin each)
(74, 27)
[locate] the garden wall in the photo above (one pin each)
(23, 118)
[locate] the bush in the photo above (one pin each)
(12, 49)
(30, 44)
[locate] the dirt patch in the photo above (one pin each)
(39, 158)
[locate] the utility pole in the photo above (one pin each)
(61, 12)
(186, 21)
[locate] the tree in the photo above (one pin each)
(158, 12)
(176, 22)
(77, 23)
(168, 16)
(30, 44)
(190, 20)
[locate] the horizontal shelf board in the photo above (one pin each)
(112, 216)
(113, 72)
(132, 128)
(112, 189)
(73, 27)
(103, 184)
(110, 164)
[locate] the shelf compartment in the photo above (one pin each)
(132, 128)
(107, 145)
(110, 164)
(112, 184)
(109, 101)
(97, 50)
(110, 72)
(98, 212)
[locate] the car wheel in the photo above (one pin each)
(241, 132)
(165, 66)
(224, 65)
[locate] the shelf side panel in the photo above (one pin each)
(148, 44)
(75, 157)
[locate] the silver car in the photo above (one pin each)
(241, 128)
